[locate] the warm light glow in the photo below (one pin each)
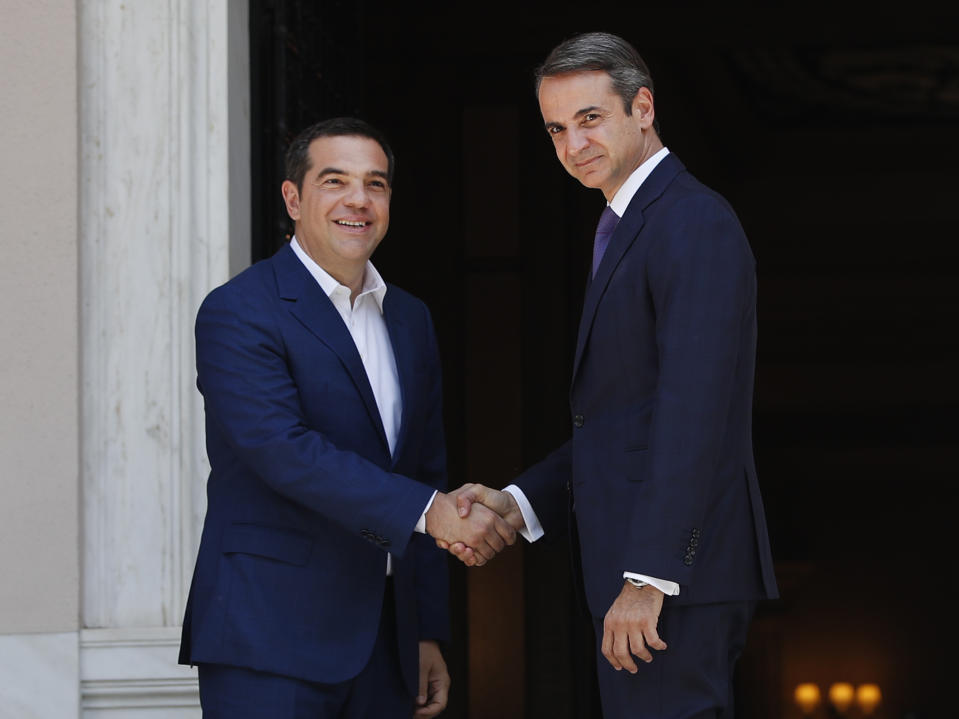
(868, 697)
(841, 695)
(807, 697)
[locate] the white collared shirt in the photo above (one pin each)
(533, 529)
(624, 195)
(364, 320)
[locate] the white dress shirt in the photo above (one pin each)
(533, 529)
(364, 319)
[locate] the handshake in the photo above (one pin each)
(474, 522)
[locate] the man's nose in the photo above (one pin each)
(357, 196)
(578, 141)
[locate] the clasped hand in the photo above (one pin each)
(474, 522)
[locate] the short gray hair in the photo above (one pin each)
(600, 51)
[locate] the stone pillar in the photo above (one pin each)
(164, 156)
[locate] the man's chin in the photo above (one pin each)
(591, 180)
(591, 174)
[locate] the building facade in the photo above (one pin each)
(125, 198)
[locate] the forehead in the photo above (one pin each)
(354, 154)
(561, 97)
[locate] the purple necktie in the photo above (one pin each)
(607, 223)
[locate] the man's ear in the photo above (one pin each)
(291, 196)
(643, 108)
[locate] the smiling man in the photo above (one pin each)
(316, 591)
(666, 501)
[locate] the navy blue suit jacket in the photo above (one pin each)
(660, 461)
(304, 498)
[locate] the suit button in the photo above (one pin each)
(578, 421)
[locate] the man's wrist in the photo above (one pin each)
(532, 529)
(667, 587)
(421, 522)
(432, 515)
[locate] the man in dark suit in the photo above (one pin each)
(667, 507)
(316, 592)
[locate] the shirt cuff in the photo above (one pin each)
(670, 589)
(421, 524)
(532, 530)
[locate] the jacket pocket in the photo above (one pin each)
(635, 463)
(269, 542)
(637, 431)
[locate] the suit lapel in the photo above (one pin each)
(314, 310)
(404, 354)
(623, 237)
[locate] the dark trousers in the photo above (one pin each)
(692, 678)
(377, 692)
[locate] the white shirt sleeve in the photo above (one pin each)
(670, 589)
(421, 524)
(533, 529)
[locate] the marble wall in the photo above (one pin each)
(125, 191)
(163, 132)
(39, 362)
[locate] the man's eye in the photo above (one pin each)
(378, 184)
(554, 130)
(332, 181)
(590, 117)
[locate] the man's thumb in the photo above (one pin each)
(421, 697)
(463, 503)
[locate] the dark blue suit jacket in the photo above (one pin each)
(661, 461)
(304, 499)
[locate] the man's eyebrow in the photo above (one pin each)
(578, 114)
(337, 171)
(585, 110)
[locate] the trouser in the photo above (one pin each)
(692, 678)
(377, 692)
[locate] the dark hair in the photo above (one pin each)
(298, 153)
(600, 51)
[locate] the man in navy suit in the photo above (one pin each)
(660, 466)
(316, 591)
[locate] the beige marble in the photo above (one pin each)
(39, 346)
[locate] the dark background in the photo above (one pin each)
(833, 133)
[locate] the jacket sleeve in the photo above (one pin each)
(252, 401)
(702, 280)
(546, 486)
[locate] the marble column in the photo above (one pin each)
(164, 202)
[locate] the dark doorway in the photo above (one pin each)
(834, 137)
